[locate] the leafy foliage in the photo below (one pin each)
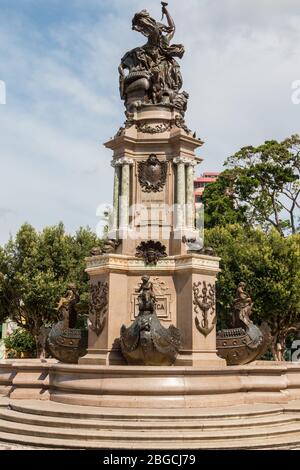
(20, 341)
(36, 269)
(220, 204)
(261, 187)
(270, 265)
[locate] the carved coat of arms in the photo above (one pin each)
(152, 174)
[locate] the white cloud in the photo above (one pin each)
(63, 102)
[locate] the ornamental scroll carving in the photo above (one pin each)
(152, 174)
(156, 129)
(145, 128)
(98, 306)
(204, 307)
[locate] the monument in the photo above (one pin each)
(153, 217)
(152, 360)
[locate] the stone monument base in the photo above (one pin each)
(174, 387)
(52, 405)
(116, 280)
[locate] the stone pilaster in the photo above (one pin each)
(180, 196)
(116, 195)
(125, 191)
(190, 198)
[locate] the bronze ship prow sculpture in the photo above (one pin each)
(65, 342)
(244, 342)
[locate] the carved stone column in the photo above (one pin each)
(116, 195)
(180, 183)
(190, 198)
(125, 190)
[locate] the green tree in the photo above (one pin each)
(36, 269)
(260, 188)
(270, 265)
(221, 207)
(20, 341)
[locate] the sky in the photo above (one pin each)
(59, 62)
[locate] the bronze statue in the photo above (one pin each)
(242, 307)
(147, 298)
(64, 341)
(244, 342)
(67, 307)
(153, 74)
(146, 341)
(109, 246)
(195, 245)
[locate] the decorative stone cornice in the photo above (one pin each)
(114, 262)
(122, 161)
(115, 163)
(185, 161)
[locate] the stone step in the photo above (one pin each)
(143, 425)
(137, 435)
(281, 442)
(4, 402)
(44, 424)
(53, 409)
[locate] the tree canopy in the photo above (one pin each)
(36, 269)
(270, 266)
(260, 187)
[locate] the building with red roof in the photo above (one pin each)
(201, 182)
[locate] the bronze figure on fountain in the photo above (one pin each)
(244, 342)
(146, 341)
(64, 341)
(151, 74)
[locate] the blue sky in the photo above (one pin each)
(59, 60)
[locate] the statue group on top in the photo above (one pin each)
(151, 74)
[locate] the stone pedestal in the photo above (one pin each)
(165, 212)
(154, 160)
(116, 279)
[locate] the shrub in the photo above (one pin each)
(20, 341)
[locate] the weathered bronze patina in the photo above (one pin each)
(151, 74)
(152, 174)
(146, 341)
(244, 342)
(65, 342)
(151, 252)
(109, 246)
